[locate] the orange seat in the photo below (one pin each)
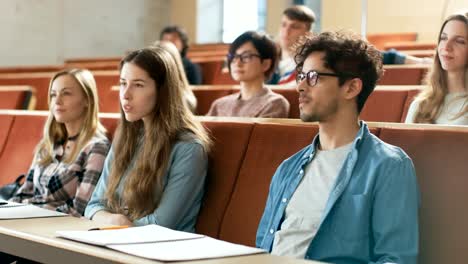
(225, 162)
(440, 157)
(6, 121)
(18, 152)
(17, 97)
(403, 75)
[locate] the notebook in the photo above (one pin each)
(160, 243)
(11, 210)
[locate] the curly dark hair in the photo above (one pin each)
(182, 35)
(346, 54)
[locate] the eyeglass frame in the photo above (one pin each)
(244, 57)
(317, 74)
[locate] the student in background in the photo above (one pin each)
(190, 98)
(156, 169)
(251, 60)
(393, 56)
(445, 98)
(179, 38)
(69, 158)
(297, 21)
(332, 200)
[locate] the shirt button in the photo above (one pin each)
(272, 231)
(301, 172)
(284, 200)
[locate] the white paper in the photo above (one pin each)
(20, 211)
(203, 248)
(131, 235)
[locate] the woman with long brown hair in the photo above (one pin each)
(70, 156)
(445, 99)
(156, 169)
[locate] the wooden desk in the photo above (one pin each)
(35, 239)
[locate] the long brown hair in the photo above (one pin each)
(169, 119)
(431, 99)
(56, 132)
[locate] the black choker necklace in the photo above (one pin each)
(73, 138)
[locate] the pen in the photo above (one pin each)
(108, 228)
(3, 203)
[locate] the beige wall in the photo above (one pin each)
(274, 10)
(49, 31)
(184, 13)
(421, 16)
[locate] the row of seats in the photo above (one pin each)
(214, 73)
(246, 153)
(40, 82)
(396, 74)
(385, 104)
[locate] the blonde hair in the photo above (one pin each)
(431, 99)
(168, 122)
(56, 132)
(190, 98)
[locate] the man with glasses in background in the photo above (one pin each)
(348, 197)
(297, 21)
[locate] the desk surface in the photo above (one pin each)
(35, 239)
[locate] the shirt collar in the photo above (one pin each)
(363, 130)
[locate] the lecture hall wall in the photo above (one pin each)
(38, 32)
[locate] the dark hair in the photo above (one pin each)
(264, 45)
(300, 13)
(348, 55)
(182, 35)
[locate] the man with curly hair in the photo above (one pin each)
(348, 197)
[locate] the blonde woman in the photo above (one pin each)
(155, 172)
(190, 98)
(445, 100)
(69, 158)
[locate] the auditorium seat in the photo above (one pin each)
(403, 74)
(230, 141)
(17, 97)
(6, 121)
(17, 155)
(440, 157)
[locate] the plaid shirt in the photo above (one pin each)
(65, 187)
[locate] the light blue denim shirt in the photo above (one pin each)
(371, 214)
(184, 183)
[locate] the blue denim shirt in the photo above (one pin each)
(371, 215)
(183, 188)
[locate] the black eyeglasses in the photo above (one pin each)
(312, 77)
(244, 57)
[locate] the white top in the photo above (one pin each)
(305, 209)
(287, 70)
(454, 103)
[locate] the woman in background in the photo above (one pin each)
(445, 99)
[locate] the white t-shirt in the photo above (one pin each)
(305, 209)
(287, 72)
(453, 104)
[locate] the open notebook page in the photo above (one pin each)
(131, 235)
(203, 248)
